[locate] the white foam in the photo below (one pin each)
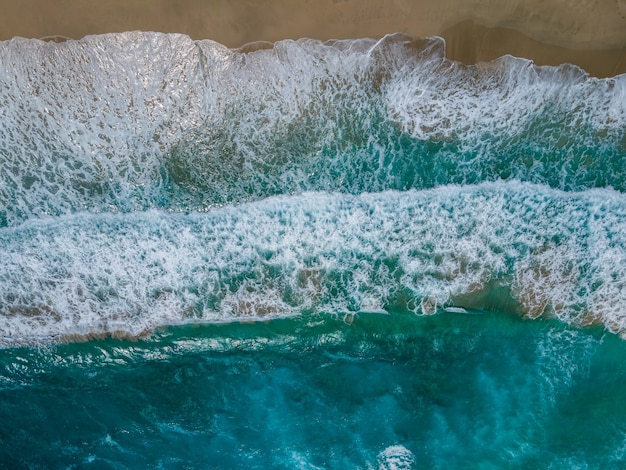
(454, 310)
(396, 458)
(448, 100)
(85, 122)
(560, 254)
(121, 122)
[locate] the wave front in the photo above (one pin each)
(474, 247)
(149, 179)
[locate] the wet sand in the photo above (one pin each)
(589, 33)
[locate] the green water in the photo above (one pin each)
(483, 390)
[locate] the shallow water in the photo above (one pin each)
(352, 254)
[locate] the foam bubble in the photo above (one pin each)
(396, 458)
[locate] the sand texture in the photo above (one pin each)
(589, 33)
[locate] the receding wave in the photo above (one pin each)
(538, 250)
(125, 122)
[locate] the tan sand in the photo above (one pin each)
(589, 33)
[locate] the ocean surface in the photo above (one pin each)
(344, 254)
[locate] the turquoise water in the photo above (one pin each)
(352, 254)
(465, 391)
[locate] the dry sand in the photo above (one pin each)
(589, 33)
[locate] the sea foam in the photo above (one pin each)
(132, 121)
(549, 252)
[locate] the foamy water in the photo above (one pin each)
(555, 253)
(130, 122)
(351, 254)
(140, 120)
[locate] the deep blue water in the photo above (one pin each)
(353, 254)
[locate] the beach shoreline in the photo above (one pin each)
(591, 35)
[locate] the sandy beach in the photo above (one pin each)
(591, 34)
